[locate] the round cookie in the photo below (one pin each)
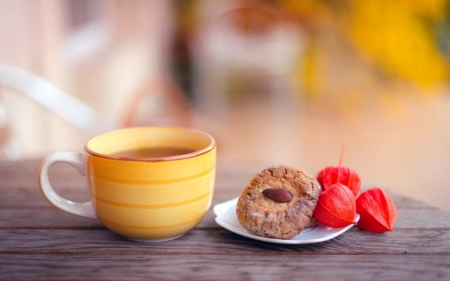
(258, 208)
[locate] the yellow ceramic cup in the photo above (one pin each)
(149, 200)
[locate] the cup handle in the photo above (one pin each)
(76, 160)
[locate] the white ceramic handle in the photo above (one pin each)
(77, 161)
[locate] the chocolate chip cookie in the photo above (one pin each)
(278, 202)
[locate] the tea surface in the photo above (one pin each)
(152, 152)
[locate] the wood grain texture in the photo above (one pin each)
(22, 187)
(51, 217)
(213, 241)
(40, 242)
(355, 241)
(224, 267)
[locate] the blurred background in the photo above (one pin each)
(275, 82)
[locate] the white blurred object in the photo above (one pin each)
(271, 46)
(48, 95)
(56, 100)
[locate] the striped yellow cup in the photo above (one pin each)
(148, 198)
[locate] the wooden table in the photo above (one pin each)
(40, 242)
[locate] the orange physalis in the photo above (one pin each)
(336, 206)
(344, 175)
(378, 212)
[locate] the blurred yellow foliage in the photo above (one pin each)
(397, 37)
(434, 9)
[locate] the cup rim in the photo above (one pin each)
(210, 147)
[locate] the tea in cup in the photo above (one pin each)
(148, 184)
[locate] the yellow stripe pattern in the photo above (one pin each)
(166, 181)
(169, 205)
(152, 227)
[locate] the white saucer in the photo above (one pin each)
(226, 217)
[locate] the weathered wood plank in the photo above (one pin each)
(44, 218)
(25, 192)
(51, 217)
(422, 218)
(216, 267)
(214, 241)
(19, 181)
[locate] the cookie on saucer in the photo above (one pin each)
(278, 202)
